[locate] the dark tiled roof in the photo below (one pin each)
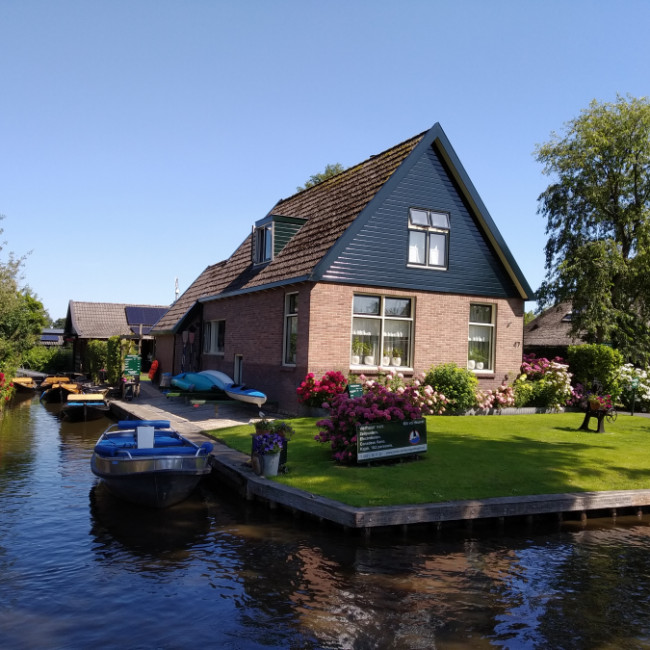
(101, 320)
(551, 328)
(328, 208)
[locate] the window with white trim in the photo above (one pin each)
(480, 348)
(290, 329)
(428, 238)
(214, 335)
(382, 331)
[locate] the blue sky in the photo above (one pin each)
(141, 139)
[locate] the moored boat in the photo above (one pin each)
(245, 394)
(25, 384)
(148, 463)
(85, 406)
(58, 391)
(235, 391)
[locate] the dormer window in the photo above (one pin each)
(271, 235)
(263, 244)
(428, 238)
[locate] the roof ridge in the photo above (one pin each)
(349, 170)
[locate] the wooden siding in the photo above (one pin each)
(376, 252)
(284, 228)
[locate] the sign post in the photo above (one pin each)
(132, 365)
(383, 440)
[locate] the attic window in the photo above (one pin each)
(428, 238)
(263, 244)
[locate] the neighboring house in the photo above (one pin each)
(395, 257)
(87, 321)
(547, 335)
(51, 337)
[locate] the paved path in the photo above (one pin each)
(187, 418)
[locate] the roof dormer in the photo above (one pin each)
(271, 235)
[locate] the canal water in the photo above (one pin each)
(80, 569)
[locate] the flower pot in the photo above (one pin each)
(369, 361)
(397, 361)
(270, 464)
(385, 361)
(356, 359)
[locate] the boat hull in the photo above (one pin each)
(248, 395)
(156, 476)
(155, 483)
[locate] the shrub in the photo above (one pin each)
(6, 390)
(628, 374)
(543, 383)
(313, 392)
(96, 354)
(114, 360)
(501, 397)
(378, 404)
(458, 385)
(596, 367)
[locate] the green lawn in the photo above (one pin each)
(475, 457)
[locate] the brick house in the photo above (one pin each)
(393, 263)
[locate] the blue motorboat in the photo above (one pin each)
(149, 463)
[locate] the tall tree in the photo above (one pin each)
(315, 179)
(598, 223)
(22, 316)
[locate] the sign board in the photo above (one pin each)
(355, 390)
(390, 439)
(132, 365)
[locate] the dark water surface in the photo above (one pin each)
(79, 569)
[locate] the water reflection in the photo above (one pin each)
(121, 529)
(76, 564)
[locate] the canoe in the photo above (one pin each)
(194, 382)
(244, 394)
(148, 463)
(235, 391)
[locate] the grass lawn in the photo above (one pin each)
(475, 457)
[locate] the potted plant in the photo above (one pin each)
(269, 447)
(368, 357)
(266, 453)
(385, 359)
(397, 357)
(357, 350)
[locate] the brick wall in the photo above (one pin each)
(255, 330)
(441, 325)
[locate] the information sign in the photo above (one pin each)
(389, 439)
(132, 365)
(355, 390)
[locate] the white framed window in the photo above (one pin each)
(290, 329)
(428, 238)
(214, 335)
(263, 244)
(480, 348)
(382, 331)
